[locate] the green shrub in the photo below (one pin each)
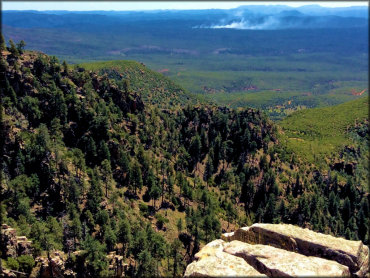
(26, 263)
(174, 201)
(144, 209)
(161, 220)
(12, 263)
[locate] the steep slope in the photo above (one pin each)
(153, 87)
(86, 162)
(90, 169)
(332, 135)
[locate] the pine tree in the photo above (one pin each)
(13, 50)
(91, 153)
(145, 264)
(65, 68)
(176, 257)
(124, 162)
(110, 238)
(259, 215)
(248, 194)
(365, 207)
(333, 204)
(282, 211)
(362, 225)
(204, 199)
(207, 226)
(140, 243)
(2, 42)
(179, 225)
(76, 229)
(348, 233)
(157, 249)
(270, 212)
(346, 211)
(154, 194)
(136, 176)
(195, 148)
(230, 213)
(103, 152)
(106, 172)
(352, 225)
(97, 263)
(124, 235)
(20, 46)
(95, 194)
(79, 161)
(209, 170)
(297, 189)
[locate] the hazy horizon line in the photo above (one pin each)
(121, 6)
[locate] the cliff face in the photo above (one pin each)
(277, 250)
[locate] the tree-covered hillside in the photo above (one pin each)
(90, 168)
(153, 87)
(319, 135)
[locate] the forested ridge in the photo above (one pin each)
(153, 87)
(89, 166)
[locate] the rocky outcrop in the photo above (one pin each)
(8, 241)
(24, 246)
(116, 264)
(280, 250)
(54, 266)
(6, 273)
(57, 264)
(212, 262)
(304, 241)
(275, 262)
(12, 245)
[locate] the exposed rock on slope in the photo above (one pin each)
(212, 261)
(292, 238)
(12, 245)
(278, 262)
(281, 250)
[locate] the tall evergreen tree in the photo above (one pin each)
(136, 176)
(13, 49)
(2, 42)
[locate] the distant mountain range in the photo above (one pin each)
(243, 17)
(312, 10)
(263, 17)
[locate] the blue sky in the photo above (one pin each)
(154, 5)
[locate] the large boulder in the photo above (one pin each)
(350, 253)
(276, 262)
(211, 261)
